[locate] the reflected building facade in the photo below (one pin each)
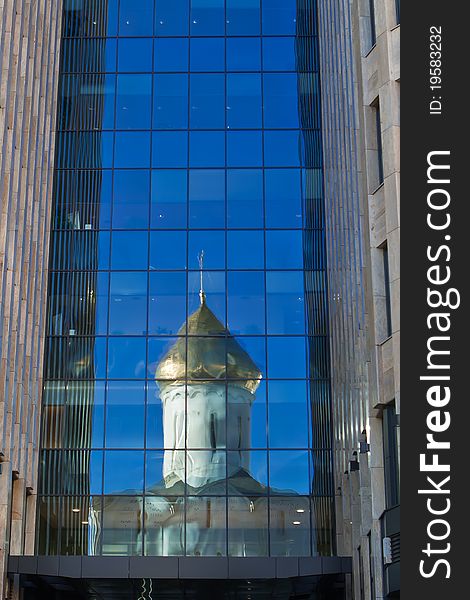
(186, 407)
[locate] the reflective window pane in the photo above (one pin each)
(207, 198)
(243, 17)
(131, 199)
(246, 304)
(288, 415)
(125, 409)
(169, 149)
(171, 17)
(244, 148)
(244, 198)
(126, 358)
(207, 17)
(168, 250)
(136, 18)
(123, 471)
(243, 54)
(134, 93)
(279, 53)
(282, 148)
(129, 250)
(245, 249)
(207, 54)
(171, 55)
(167, 302)
(207, 101)
(289, 471)
(284, 249)
(121, 526)
(279, 17)
(286, 357)
(207, 149)
(283, 199)
(164, 523)
(170, 101)
(132, 149)
(285, 302)
(212, 243)
(243, 101)
(290, 526)
(135, 55)
(169, 198)
(281, 101)
(128, 303)
(206, 527)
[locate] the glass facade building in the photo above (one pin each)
(186, 404)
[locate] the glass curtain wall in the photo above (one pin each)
(186, 406)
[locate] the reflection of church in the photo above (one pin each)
(207, 385)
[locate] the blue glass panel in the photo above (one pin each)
(243, 101)
(104, 239)
(100, 293)
(207, 101)
(253, 462)
(282, 148)
(132, 149)
(136, 18)
(288, 415)
(129, 250)
(289, 472)
(170, 149)
(157, 349)
(207, 17)
(243, 17)
(131, 199)
(245, 249)
(286, 357)
(255, 347)
(125, 409)
(245, 302)
(154, 418)
(243, 54)
(281, 104)
(168, 250)
(244, 149)
(279, 17)
(170, 101)
(88, 397)
(285, 299)
(167, 302)
(126, 358)
(123, 471)
(207, 54)
(245, 198)
(207, 198)
(214, 288)
(171, 54)
(128, 303)
(279, 53)
(283, 201)
(169, 198)
(135, 55)
(207, 149)
(284, 249)
(213, 245)
(172, 17)
(133, 102)
(259, 418)
(154, 471)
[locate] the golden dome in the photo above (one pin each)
(207, 352)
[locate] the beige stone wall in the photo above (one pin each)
(29, 60)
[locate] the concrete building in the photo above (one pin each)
(265, 134)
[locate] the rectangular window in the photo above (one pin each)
(373, 35)
(378, 134)
(388, 303)
(397, 10)
(390, 445)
